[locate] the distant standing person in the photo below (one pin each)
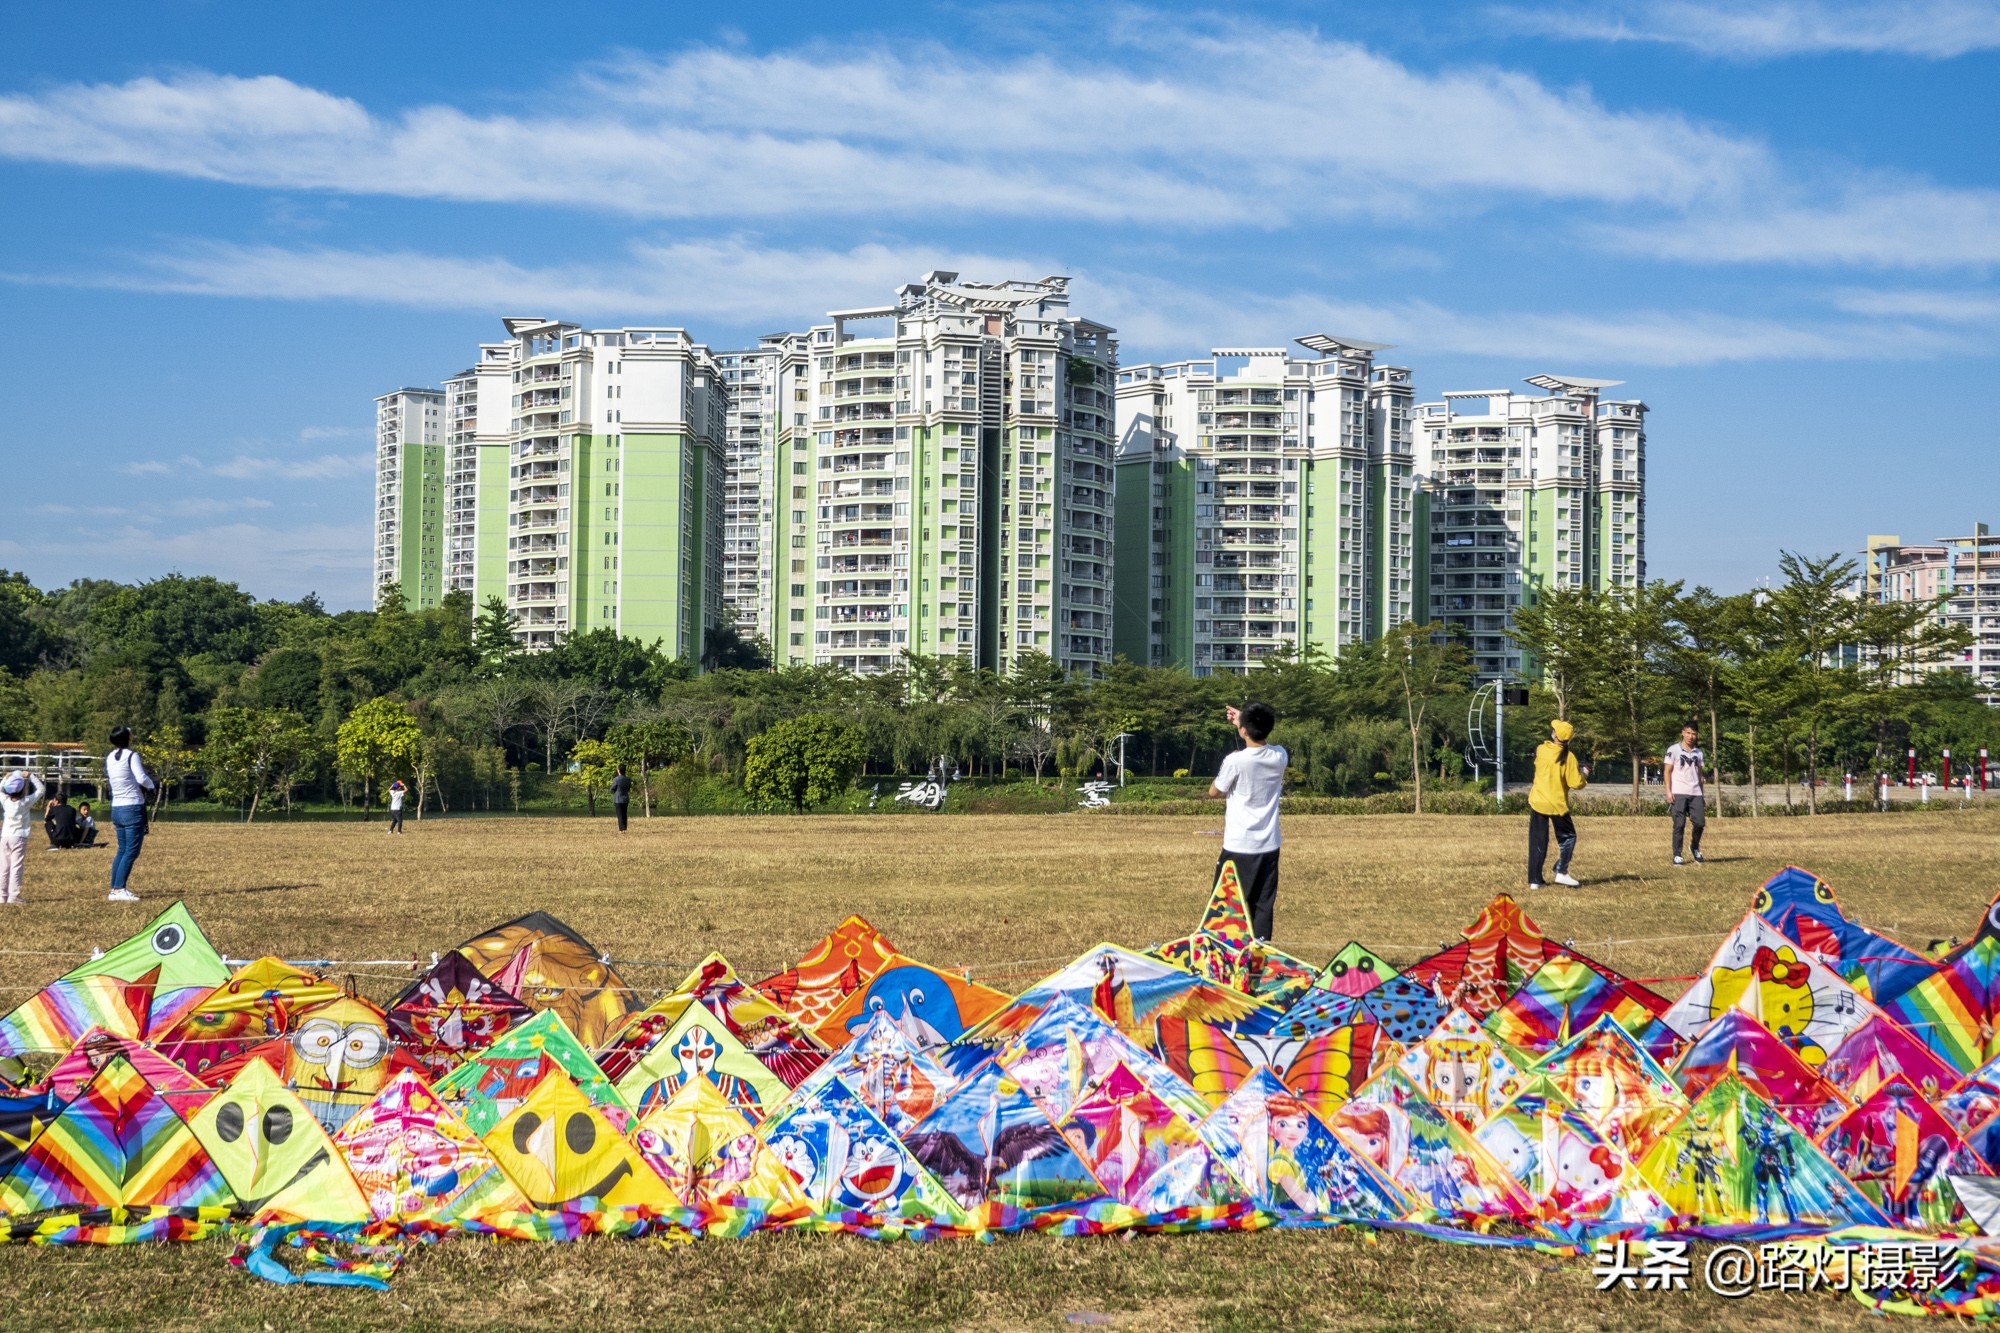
(1687, 800)
(1253, 778)
(396, 793)
(621, 796)
(129, 783)
(1556, 774)
(18, 793)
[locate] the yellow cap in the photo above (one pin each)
(1562, 730)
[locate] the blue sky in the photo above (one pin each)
(232, 225)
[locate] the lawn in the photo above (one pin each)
(1007, 897)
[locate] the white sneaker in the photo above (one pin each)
(1679, 862)
(1567, 880)
(1534, 888)
(122, 896)
(1697, 859)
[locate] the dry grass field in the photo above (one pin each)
(1008, 897)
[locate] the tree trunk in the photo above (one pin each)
(590, 799)
(1753, 769)
(251, 818)
(1812, 768)
(1714, 754)
(646, 786)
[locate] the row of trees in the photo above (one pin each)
(1805, 674)
(284, 701)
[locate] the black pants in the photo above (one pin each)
(1686, 809)
(1258, 873)
(619, 808)
(395, 821)
(1539, 825)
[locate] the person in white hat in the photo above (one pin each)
(19, 793)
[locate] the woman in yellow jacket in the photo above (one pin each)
(1556, 774)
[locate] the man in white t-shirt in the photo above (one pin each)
(1253, 778)
(1686, 799)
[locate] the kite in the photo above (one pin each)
(1577, 1176)
(773, 1036)
(1732, 1159)
(276, 1159)
(933, 1008)
(1879, 1050)
(1800, 999)
(1462, 1069)
(700, 1047)
(709, 1157)
(844, 1160)
(259, 1001)
(1324, 1068)
(1613, 1082)
(988, 1142)
(1433, 1157)
(452, 1012)
(413, 1158)
(900, 1080)
(1405, 1009)
(1956, 1010)
(1284, 1155)
(118, 1145)
(1564, 996)
(1353, 971)
(847, 959)
(566, 1157)
(495, 1082)
(1899, 1149)
(71, 1074)
(1129, 990)
(1803, 909)
(546, 965)
(1224, 950)
(1738, 1045)
(141, 988)
(337, 1058)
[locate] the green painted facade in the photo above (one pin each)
(420, 525)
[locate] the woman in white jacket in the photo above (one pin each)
(129, 784)
(20, 792)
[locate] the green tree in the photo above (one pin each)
(1816, 621)
(1425, 666)
(802, 761)
(1557, 631)
(379, 740)
(648, 743)
(169, 758)
(591, 767)
(493, 641)
(1707, 636)
(1631, 637)
(252, 751)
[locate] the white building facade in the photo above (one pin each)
(1523, 492)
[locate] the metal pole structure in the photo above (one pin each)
(1945, 776)
(1982, 768)
(1499, 745)
(1913, 766)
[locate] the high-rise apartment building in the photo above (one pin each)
(1960, 576)
(949, 492)
(768, 412)
(409, 495)
(1264, 499)
(1524, 492)
(577, 475)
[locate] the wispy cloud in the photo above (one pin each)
(1952, 307)
(744, 282)
(1159, 136)
(1871, 222)
(247, 467)
(1753, 30)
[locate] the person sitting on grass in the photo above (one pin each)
(86, 827)
(59, 822)
(1253, 778)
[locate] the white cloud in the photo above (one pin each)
(1753, 30)
(1873, 222)
(1954, 307)
(270, 561)
(1258, 128)
(326, 467)
(210, 506)
(732, 279)
(744, 283)
(150, 467)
